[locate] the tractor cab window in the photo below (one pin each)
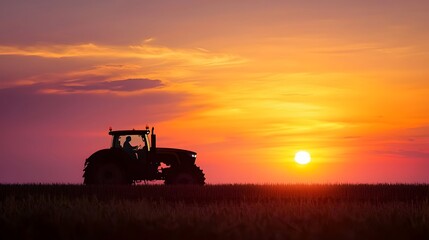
(136, 140)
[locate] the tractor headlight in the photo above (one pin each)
(194, 155)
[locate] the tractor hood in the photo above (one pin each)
(172, 156)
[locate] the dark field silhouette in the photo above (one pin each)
(215, 212)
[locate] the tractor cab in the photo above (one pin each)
(139, 138)
(136, 143)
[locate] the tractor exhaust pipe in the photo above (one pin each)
(153, 139)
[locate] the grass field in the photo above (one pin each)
(214, 212)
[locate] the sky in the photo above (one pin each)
(246, 84)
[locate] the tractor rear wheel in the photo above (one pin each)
(185, 175)
(105, 173)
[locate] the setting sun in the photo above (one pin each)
(302, 157)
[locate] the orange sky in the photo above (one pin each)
(246, 85)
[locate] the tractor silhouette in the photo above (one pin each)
(124, 164)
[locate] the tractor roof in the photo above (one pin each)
(129, 132)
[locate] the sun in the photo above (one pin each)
(302, 157)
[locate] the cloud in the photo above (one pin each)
(408, 154)
(93, 85)
(384, 48)
(104, 78)
(126, 85)
(145, 51)
(406, 143)
(421, 132)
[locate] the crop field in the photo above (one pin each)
(215, 212)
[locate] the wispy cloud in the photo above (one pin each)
(144, 51)
(116, 86)
(404, 153)
(364, 47)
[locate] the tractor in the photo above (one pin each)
(125, 164)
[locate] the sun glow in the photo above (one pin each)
(302, 157)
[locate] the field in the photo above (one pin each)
(215, 212)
